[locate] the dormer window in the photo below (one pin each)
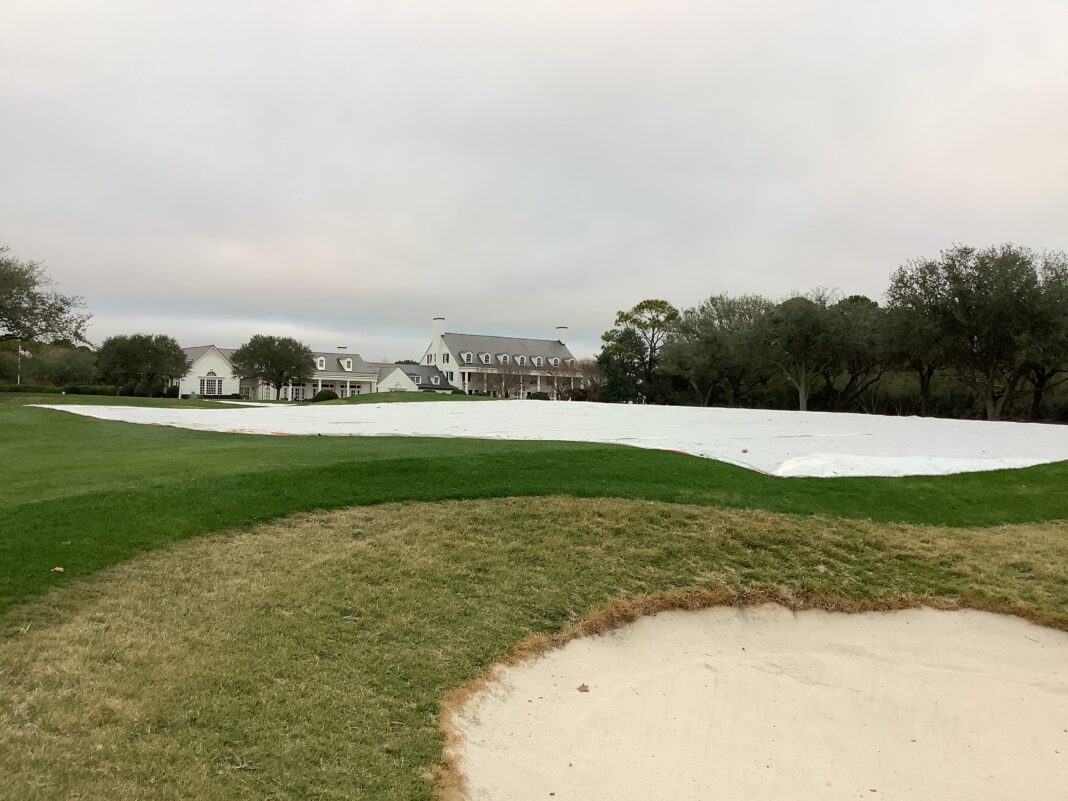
(466, 357)
(570, 362)
(537, 361)
(485, 358)
(348, 364)
(503, 358)
(554, 362)
(417, 379)
(320, 363)
(520, 360)
(435, 380)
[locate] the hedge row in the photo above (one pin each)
(79, 389)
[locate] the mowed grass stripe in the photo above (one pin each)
(307, 658)
(86, 532)
(83, 494)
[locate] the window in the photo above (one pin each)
(554, 362)
(430, 358)
(520, 360)
(449, 375)
(320, 363)
(417, 379)
(444, 358)
(537, 360)
(348, 364)
(467, 357)
(503, 358)
(210, 385)
(435, 380)
(485, 358)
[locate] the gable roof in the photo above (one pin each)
(513, 346)
(425, 372)
(194, 353)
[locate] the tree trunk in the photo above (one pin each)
(1036, 400)
(1039, 378)
(926, 374)
(802, 393)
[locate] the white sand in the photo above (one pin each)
(781, 443)
(767, 705)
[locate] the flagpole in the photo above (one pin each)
(18, 370)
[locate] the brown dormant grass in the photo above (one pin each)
(309, 658)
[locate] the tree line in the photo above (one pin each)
(43, 342)
(975, 332)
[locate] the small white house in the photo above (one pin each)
(412, 378)
(210, 374)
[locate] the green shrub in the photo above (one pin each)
(89, 389)
(324, 395)
(171, 392)
(29, 388)
(537, 396)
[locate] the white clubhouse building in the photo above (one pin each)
(470, 363)
(503, 366)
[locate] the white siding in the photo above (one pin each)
(210, 362)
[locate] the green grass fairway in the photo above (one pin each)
(243, 617)
(84, 494)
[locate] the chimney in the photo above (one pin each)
(439, 328)
(561, 334)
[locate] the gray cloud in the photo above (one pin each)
(345, 171)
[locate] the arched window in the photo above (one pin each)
(503, 358)
(555, 362)
(537, 360)
(210, 384)
(521, 360)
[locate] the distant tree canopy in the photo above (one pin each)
(996, 316)
(716, 349)
(974, 332)
(277, 361)
(30, 310)
(141, 364)
(632, 351)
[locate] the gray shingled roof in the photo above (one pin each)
(513, 346)
(333, 363)
(424, 371)
(197, 351)
(333, 360)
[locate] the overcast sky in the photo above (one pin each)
(343, 172)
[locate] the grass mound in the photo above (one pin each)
(307, 658)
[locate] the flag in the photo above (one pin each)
(25, 354)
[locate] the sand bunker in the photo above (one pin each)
(781, 443)
(765, 704)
